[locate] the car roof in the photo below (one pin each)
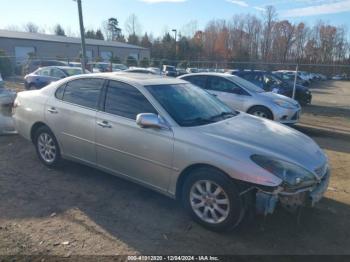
(246, 71)
(137, 78)
(206, 74)
(59, 67)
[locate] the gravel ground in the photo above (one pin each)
(77, 210)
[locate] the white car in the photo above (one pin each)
(240, 94)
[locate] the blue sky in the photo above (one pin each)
(156, 16)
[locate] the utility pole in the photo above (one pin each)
(175, 31)
(82, 35)
(295, 80)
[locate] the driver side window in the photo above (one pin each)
(223, 85)
(126, 101)
(44, 72)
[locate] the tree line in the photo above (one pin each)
(244, 37)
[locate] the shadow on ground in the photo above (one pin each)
(330, 111)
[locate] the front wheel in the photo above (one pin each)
(213, 200)
(261, 111)
(47, 147)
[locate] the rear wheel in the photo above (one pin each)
(47, 147)
(213, 200)
(261, 111)
(32, 87)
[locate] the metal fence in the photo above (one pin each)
(21, 66)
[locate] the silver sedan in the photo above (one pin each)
(177, 139)
(242, 95)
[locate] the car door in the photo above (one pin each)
(124, 148)
(227, 91)
(71, 115)
(42, 78)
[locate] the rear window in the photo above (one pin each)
(83, 92)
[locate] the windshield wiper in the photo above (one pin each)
(224, 115)
(198, 121)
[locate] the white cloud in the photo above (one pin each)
(238, 2)
(328, 8)
(259, 8)
(162, 1)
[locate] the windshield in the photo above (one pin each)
(189, 105)
(73, 71)
(274, 79)
(246, 84)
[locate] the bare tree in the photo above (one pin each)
(269, 20)
(132, 25)
(31, 28)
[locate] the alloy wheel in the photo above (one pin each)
(260, 114)
(209, 201)
(47, 148)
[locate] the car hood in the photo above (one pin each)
(260, 136)
(273, 96)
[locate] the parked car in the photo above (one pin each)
(74, 64)
(99, 67)
(34, 64)
(271, 83)
(289, 77)
(338, 77)
(177, 139)
(7, 98)
(242, 95)
(192, 70)
(141, 71)
(44, 76)
(181, 71)
(155, 69)
(302, 75)
(118, 67)
(169, 70)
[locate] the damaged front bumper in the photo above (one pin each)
(266, 202)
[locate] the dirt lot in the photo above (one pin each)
(78, 210)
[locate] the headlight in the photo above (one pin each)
(284, 104)
(291, 174)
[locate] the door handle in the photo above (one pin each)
(52, 110)
(104, 124)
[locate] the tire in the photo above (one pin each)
(231, 206)
(31, 87)
(47, 147)
(261, 111)
(303, 102)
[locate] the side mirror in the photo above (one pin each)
(149, 120)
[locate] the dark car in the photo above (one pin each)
(169, 70)
(44, 76)
(34, 64)
(290, 77)
(272, 83)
